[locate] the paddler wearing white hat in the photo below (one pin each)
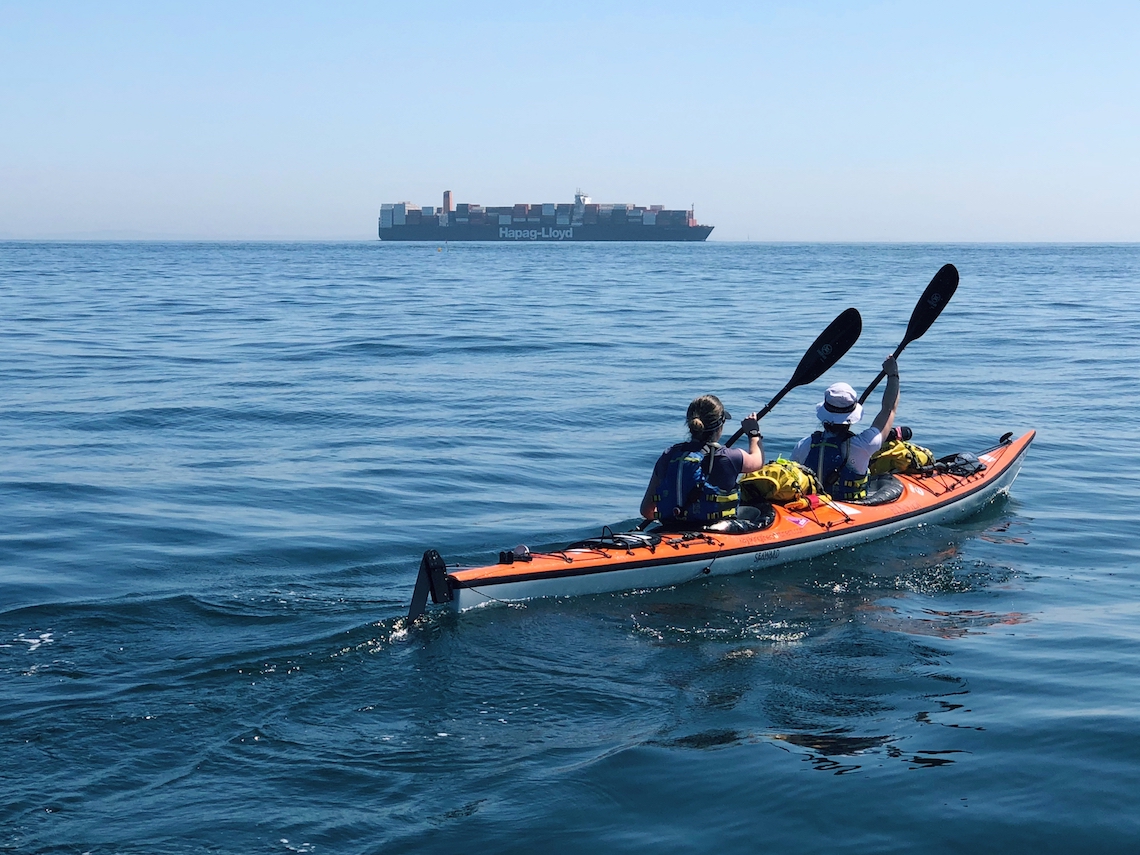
(838, 455)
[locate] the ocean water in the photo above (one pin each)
(222, 463)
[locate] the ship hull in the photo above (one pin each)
(538, 233)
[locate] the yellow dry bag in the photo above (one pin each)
(779, 481)
(899, 456)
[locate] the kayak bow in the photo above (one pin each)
(624, 561)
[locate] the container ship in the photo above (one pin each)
(582, 220)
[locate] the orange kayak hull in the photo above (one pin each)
(668, 559)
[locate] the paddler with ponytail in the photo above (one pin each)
(694, 482)
(838, 456)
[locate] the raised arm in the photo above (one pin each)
(886, 416)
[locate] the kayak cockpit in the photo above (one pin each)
(749, 518)
(881, 490)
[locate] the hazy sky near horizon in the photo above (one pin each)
(857, 121)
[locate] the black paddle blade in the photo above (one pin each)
(931, 303)
(824, 352)
(829, 348)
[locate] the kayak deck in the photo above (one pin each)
(659, 558)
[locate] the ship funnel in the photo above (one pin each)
(447, 201)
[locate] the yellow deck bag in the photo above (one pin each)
(779, 481)
(899, 456)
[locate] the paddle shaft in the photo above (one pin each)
(824, 352)
(926, 312)
(767, 409)
(882, 373)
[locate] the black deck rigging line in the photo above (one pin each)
(808, 514)
(627, 540)
(558, 553)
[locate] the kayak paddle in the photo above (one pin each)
(824, 352)
(930, 306)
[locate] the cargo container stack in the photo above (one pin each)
(582, 220)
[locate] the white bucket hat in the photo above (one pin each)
(840, 405)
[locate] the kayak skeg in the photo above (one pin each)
(955, 488)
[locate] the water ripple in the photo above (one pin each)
(224, 460)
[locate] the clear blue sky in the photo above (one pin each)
(857, 121)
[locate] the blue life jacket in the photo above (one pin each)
(686, 493)
(828, 456)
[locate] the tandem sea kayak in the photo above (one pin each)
(659, 557)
